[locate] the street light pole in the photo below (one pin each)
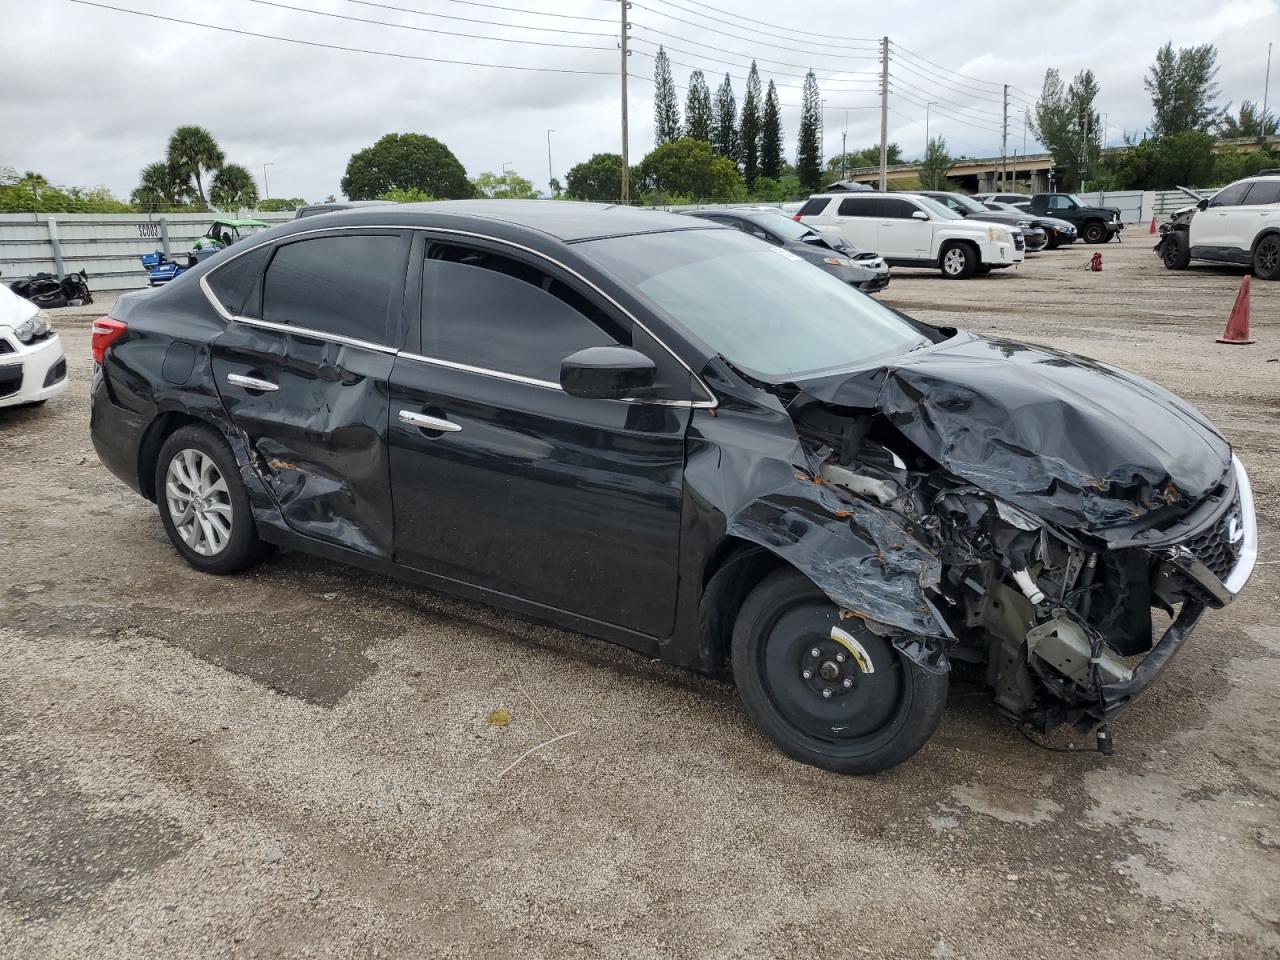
(931, 103)
(1266, 88)
(550, 176)
(266, 187)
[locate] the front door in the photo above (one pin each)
(303, 372)
(901, 232)
(504, 481)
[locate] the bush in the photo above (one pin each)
(408, 195)
(691, 169)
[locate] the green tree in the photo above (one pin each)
(233, 188)
(598, 179)
(1184, 158)
(504, 186)
(689, 168)
(404, 161)
(280, 204)
(749, 128)
(1183, 89)
(809, 150)
(192, 152)
(159, 187)
(406, 195)
(935, 166)
(33, 193)
(697, 108)
(771, 136)
(868, 157)
(666, 108)
(1250, 123)
(724, 121)
(1229, 167)
(1068, 125)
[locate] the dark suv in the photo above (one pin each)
(668, 434)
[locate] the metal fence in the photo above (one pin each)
(105, 246)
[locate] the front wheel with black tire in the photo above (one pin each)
(1053, 242)
(827, 691)
(959, 262)
(1266, 258)
(1174, 250)
(1095, 231)
(204, 506)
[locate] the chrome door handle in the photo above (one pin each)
(251, 383)
(425, 422)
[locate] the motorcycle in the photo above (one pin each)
(48, 292)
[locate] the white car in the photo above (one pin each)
(1238, 224)
(32, 365)
(909, 230)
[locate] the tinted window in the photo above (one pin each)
(1061, 203)
(236, 285)
(338, 285)
(858, 206)
(1264, 191)
(490, 311)
(1230, 196)
(814, 207)
(895, 208)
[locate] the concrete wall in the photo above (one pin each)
(105, 246)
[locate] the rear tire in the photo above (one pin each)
(879, 719)
(1266, 258)
(958, 262)
(1052, 243)
(1174, 251)
(204, 506)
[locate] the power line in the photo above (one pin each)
(960, 107)
(513, 26)
(536, 13)
(933, 78)
(948, 70)
(745, 24)
(903, 116)
(765, 72)
(432, 30)
(801, 66)
(946, 114)
(333, 46)
(792, 106)
(738, 36)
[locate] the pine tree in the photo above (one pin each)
(749, 128)
(724, 121)
(771, 136)
(809, 150)
(666, 109)
(697, 108)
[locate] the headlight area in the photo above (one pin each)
(33, 328)
(999, 235)
(838, 262)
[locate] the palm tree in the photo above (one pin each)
(158, 186)
(233, 187)
(192, 149)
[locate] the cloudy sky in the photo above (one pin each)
(89, 95)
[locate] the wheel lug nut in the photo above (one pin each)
(848, 681)
(826, 692)
(815, 652)
(839, 658)
(808, 674)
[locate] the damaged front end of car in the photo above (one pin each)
(1015, 508)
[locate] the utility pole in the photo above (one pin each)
(266, 187)
(1266, 88)
(931, 103)
(844, 149)
(1004, 143)
(884, 114)
(626, 151)
(550, 176)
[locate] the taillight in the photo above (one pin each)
(106, 331)
(796, 218)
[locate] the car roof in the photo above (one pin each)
(566, 220)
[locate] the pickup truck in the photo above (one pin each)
(1095, 224)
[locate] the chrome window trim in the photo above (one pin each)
(482, 371)
(709, 404)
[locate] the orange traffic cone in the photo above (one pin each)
(1153, 224)
(1238, 323)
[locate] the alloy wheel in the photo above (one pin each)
(1269, 255)
(199, 502)
(953, 262)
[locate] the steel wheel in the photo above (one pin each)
(199, 502)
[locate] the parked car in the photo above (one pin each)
(1094, 224)
(1035, 238)
(1057, 232)
(224, 231)
(1020, 200)
(32, 365)
(334, 206)
(909, 230)
(866, 271)
(1238, 224)
(664, 433)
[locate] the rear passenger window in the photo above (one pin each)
(895, 208)
(858, 207)
(490, 311)
(814, 207)
(338, 285)
(1263, 191)
(235, 286)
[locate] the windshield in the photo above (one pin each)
(973, 206)
(781, 224)
(762, 308)
(939, 210)
(1076, 201)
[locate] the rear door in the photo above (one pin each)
(1259, 208)
(857, 218)
(900, 232)
(1216, 226)
(504, 481)
(303, 372)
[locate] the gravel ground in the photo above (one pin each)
(307, 761)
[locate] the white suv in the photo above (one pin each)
(909, 230)
(1238, 224)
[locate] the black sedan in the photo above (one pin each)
(866, 271)
(1036, 238)
(1059, 232)
(664, 433)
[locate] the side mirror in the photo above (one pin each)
(606, 373)
(1203, 204)
(919, 215)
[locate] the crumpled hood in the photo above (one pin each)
(1073, 441)
(14, 309)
